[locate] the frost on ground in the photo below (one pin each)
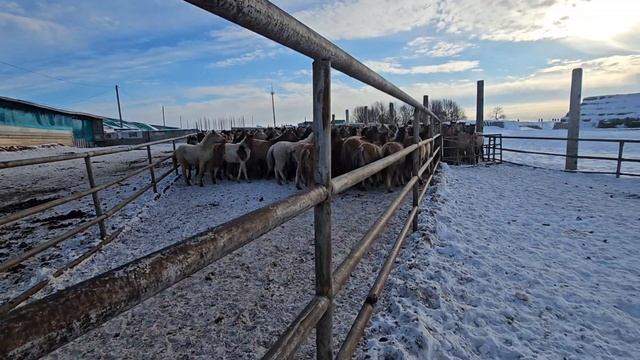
(585, 148)
(28, 186)
(235, 308)
(525, 263)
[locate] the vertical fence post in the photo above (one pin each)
(500, 148)
(620, 150)
(493, 151)
(153, 174)
(480, 107)
(571, 161)
(173, 159)
(322, 211)
(428, 122)
(96, 198)
(416, 159)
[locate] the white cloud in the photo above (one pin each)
(363, 19)
(244, 58)
(425, 45)
(515, 20)
(396, 68)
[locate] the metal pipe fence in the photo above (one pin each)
(42, 326)
(100, 215)
(620, 159)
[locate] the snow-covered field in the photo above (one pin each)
(584, 148)
(524, 264)
(28, 186)
(545, 267)
(234, 308)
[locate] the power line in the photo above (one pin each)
(88, 98)
(46, 75)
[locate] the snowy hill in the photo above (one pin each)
(611, 110)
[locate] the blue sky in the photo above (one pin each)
(70, 54)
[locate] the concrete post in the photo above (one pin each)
(571, 161)
(322, 211)
(392, 114)
(366, 115)
(480, 107)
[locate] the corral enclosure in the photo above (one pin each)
(230, 265)
(136, 281)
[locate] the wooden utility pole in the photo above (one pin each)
(366, 115)
(346, 115)
(273, 107)
(322, 211)
(480, 107)
(163, 123)
(392, 114)
(571, 161)
(119, 111)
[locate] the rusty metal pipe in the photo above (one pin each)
(342, 273)
(9, 219)
(358, 326)
(268, 20)
(56, 158)
(287, 345)
(46, 324)
(345, 181)
(82, 227)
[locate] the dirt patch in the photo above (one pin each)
(25, 204)
(73, 214)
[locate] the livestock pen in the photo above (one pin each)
(494, 144)
(100, 214)
(41, 326)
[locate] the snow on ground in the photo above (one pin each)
(234, 308)
(525, 263)
(546, 260)
(28, 186)
(559, 147)
(239, 305)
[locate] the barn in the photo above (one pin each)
(26, 123)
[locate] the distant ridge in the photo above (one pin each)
(620, 110)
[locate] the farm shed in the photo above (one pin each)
(27, 123)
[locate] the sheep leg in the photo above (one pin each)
(298, 175)
(201, 172)
(387, 179)
(186, 168)
(244, 169)
(214, 172)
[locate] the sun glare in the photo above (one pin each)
(598, 20)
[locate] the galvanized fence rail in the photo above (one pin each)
(619, 159)
(42, 326)
(100, 215)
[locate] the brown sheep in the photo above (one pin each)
(394, 172)
(364, 155)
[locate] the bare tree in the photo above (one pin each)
(359, 114)
(498, 113)
(447, 110)
(378, 112)
(405, 114)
